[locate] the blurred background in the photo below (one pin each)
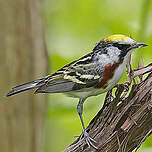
(72, 27)
(41, 37)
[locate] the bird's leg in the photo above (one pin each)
(88, 139)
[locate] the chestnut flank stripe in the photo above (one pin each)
(107, 74)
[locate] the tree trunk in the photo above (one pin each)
(121, 126)
(23, 58)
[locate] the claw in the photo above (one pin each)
(125, 87)
(109, 96)
(89, 140)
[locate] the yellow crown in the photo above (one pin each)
(117, 37)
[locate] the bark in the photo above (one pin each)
(121, 126)
(23, 58)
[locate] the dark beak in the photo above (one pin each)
(139, 45)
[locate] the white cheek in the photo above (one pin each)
(114, 53)
(105, 60)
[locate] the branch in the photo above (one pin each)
(121, 125)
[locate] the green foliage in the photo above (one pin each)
(72, 27)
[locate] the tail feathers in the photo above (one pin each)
(27, 86)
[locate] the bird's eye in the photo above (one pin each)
(121, 46)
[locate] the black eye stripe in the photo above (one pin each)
(121, 46)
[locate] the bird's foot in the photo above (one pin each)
(88, 139)
(125, 87)
(109, 96)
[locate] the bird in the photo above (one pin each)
(91, 75)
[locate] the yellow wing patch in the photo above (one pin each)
(73, 78)
(117, 37)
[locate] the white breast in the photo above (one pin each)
(117, 75)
